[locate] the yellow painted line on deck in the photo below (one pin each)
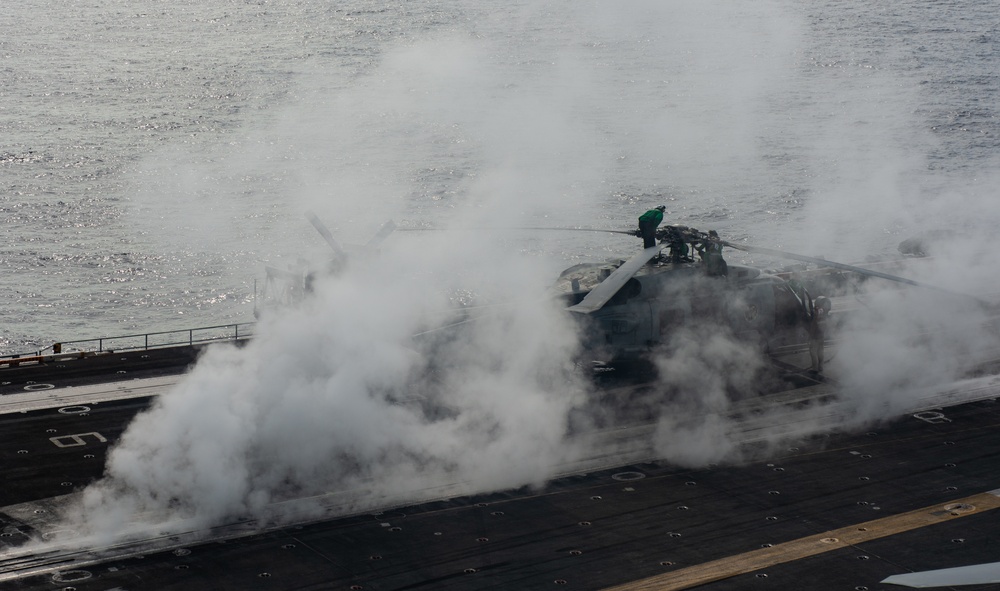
(739, 564)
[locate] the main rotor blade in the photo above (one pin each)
(455, 324)
(383, 233)
(325, 233)
(607, 289)
(835, 265)
(626, 232)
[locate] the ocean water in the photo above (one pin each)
(155, 155)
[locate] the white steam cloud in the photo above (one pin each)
(336, 395)
(703, 368)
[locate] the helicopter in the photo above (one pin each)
(628, 308)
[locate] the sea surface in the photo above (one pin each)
(154, 156)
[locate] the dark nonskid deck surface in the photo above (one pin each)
(103, 367)
(829, 512)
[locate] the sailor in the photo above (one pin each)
(677, 237)
(710, 251)
(820, 308)
(679, 249)
(648, 222)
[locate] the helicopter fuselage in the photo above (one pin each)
(664, 298)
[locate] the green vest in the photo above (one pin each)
(653, 215)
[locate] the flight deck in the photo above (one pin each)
(836, 510)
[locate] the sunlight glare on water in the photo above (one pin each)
(155, 155)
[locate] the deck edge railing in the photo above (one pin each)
(138, 342)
